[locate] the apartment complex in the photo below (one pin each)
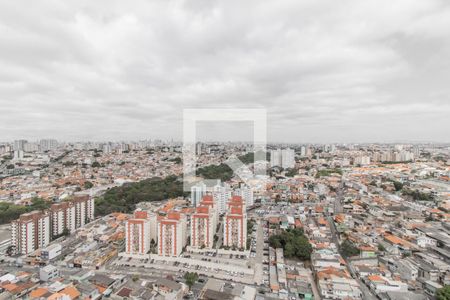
(63, 217)
(84, 210)
(203, 224)
(171, 234)
(137, 233)
(221, 194)
(35, 229)
(235, 224)
(30, 232)
(282, 158)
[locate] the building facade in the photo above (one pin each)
(30, 232)
(137, 234)
(171, 234)
(235, 224)
(203, 227)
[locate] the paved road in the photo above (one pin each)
(259, 253)
(339, 199)
(314, 286)
(367, 294)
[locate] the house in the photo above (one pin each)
(218, 289)
(380, 284)
(337, 284)
(367, 251)
(48, 273)
(169, 289)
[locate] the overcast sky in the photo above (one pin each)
(326, 71)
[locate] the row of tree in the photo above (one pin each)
(10, 211)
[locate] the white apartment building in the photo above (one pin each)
(137, 234)
(19, 144)
(287, 158)
(197, 192)
(84, 210)
(235, 224)
(47, 144)
(221, 195)
(171, 234)
(247, 195)
(275, 158)
(63, 217)
(282, 158)
(30, 232)
(362, 160)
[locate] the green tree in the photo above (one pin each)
(443, 293)
(349, 249)
(88, 185)
(398, 185)
(125, 197)
(294, 243)
(291, 172)
(190, 279)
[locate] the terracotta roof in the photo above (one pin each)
(39, 292)
(72, 292)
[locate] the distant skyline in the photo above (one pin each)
(326, 71)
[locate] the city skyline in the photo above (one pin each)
(325, 72)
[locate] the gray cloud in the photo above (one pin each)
(325, 71)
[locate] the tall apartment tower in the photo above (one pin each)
(247, 195)
(137, 233)
(208, 200)
(221, 194)
(282, 158)
(171, 234)
(84, 210)
(287, 158)
(30, 232)
(62, 217)
(197, 192)
(47, 144)
(19, 144)
(235, 224)
(275, 158)
(202, 228)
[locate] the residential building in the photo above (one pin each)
(247, 195)
(63, 217)
(203, 227)
(30, 232)
(197, 192)
(221, 194)
(48, 273)
(84, 210)
(137, 234)
(235, 224)
(171, 234)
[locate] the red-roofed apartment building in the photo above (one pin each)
(137, 233)
(235, 224)
(171, 234)
(203, 224)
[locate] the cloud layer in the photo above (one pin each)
(326, 71)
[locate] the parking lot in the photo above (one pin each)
(234, 269)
